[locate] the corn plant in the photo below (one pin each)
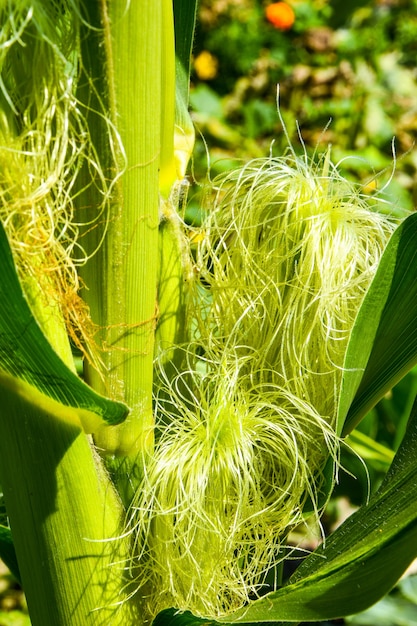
(222, 366)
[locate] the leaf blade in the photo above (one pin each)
(26, 354)
(383, 345)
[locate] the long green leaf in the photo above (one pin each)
(184, 23)
(383, 345)
(27, 355)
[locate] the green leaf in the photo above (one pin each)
(26, 354)
(383, 344)
(7, 551)
(184, 23)
(62, 508)
(361, 561)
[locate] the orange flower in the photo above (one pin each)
(280, 14)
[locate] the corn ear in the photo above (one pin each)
(67, 568)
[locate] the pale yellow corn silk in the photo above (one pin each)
(43, 143)
(289, 251)
(229, 478)
(245, 428)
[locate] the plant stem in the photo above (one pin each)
(121, 276)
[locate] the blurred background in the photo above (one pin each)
(346, 71)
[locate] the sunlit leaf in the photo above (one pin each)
(26, 354)
(383, 345)
(184, 22)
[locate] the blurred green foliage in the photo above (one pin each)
(397, 609)
(347, 77)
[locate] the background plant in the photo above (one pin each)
(352, 65)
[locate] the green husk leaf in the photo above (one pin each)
(383, 344)
(26, 354)
(64, 513)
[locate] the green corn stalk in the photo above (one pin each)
(121, 277)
